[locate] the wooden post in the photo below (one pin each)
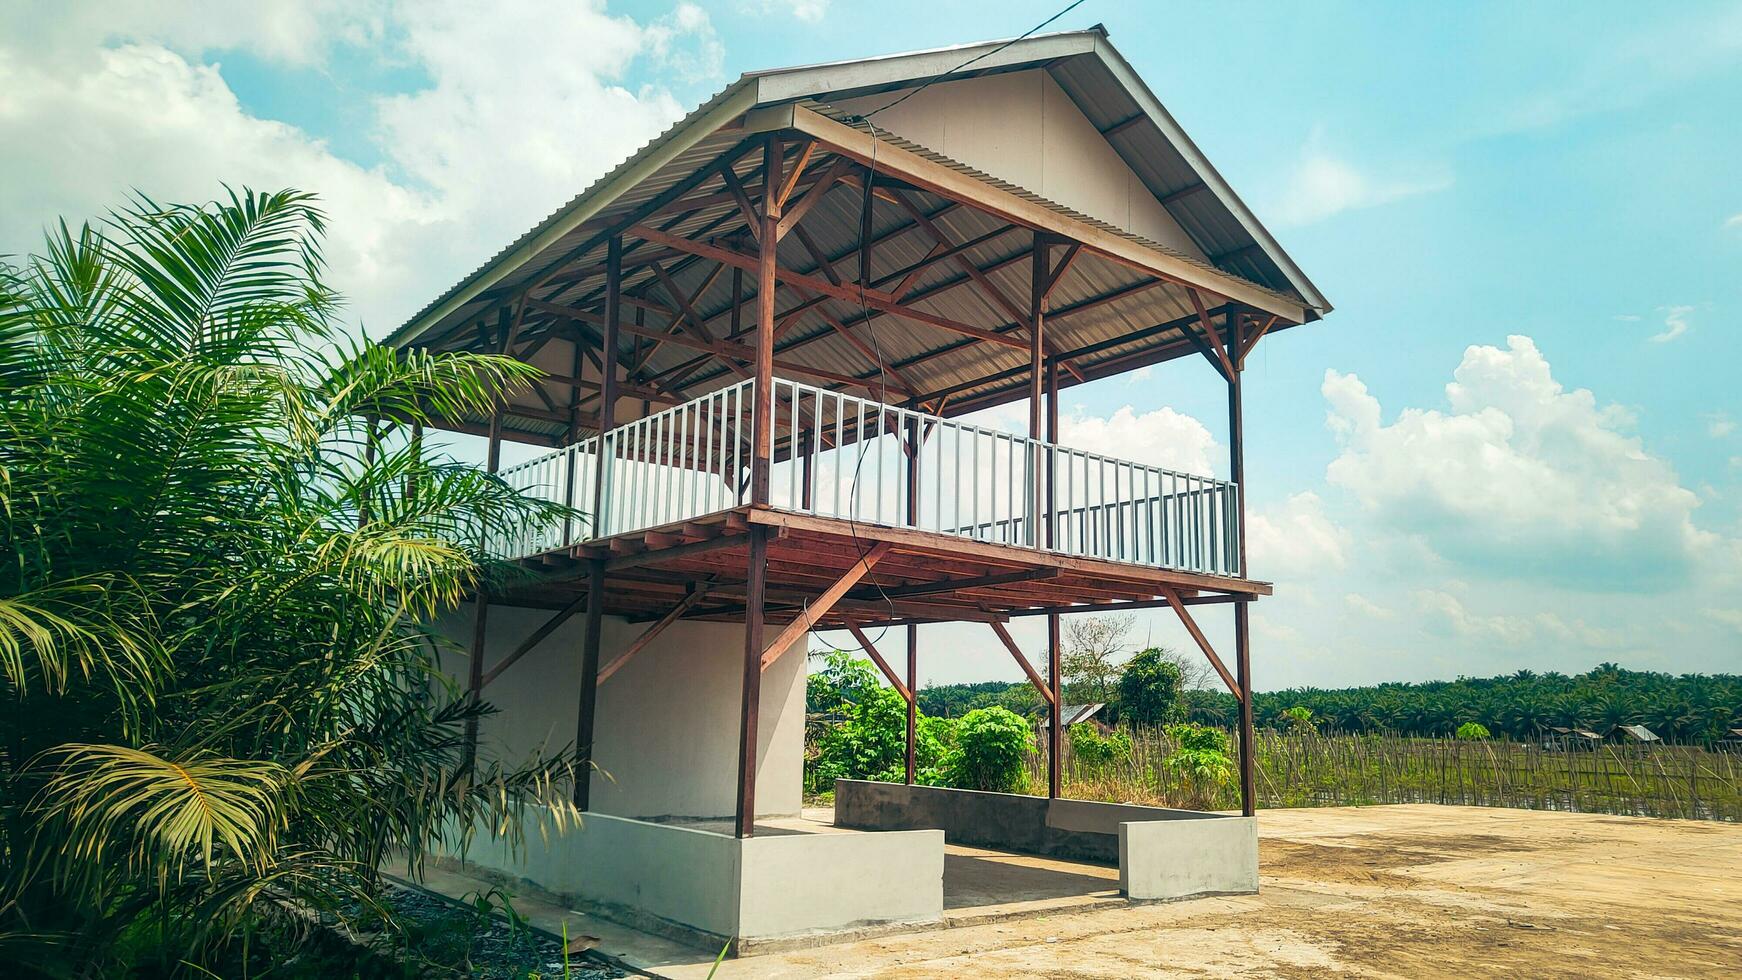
(1242, 627)
(1055, 726)
(480, 620)
(588, 707)
(754, 599)
(1036, 381)
(913, 443)
(761, 461)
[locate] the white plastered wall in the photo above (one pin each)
(667, 724)
(1023, 128)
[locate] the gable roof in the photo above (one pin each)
(1084, 63)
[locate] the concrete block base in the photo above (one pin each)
(1162, 854)
(699, 886)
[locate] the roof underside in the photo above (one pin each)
(1104, 317)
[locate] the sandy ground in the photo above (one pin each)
(1393, 891)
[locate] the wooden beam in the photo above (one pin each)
(1064, 266)
(1184, 192)
(652, 632)
(1027, 668)
(586, 709)
(877, 658)
(1191, 626)
(1212, 334)
(946, 181)
(873, 298)
(808, 617)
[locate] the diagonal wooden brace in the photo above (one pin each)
(1027, 668)
(809, 615)
(648, 636)
(562, 616)
(1203, 644)
(877, 658)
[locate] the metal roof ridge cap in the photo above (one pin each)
(1175, 134)
(1015, 52)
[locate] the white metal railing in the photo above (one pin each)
(852, 462)
(840, 456)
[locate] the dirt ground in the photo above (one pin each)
(1387, 891)
(1392, 891)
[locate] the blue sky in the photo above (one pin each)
(1537, 205)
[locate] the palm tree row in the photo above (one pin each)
(1682, 708)
(220, 539)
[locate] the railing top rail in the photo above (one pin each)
(975, 429)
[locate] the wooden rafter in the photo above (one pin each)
(1252, 341)
(876, 299)
(813, 612)
(1027, 668)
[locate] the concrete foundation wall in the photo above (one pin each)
(1161, 853)
(667, 727)
(778, 886)
(629, 868)
(1163, 860)
(802, 884)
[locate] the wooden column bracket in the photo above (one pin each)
(808, 616)
(1027, 668)
(1212, 346)
(877, 658)
(1203, 644)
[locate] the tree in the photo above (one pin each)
(1086, 668)
(1149, 689)
(220, 540)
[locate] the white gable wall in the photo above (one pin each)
(1023, 128)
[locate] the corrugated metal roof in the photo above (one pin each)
(1101, 310)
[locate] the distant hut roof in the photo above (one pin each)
(1639, 733)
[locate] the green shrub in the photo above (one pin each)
(870, 742)
(991, 746)
(1473, 731)
(1200, 753)
(1299, 719)
(1094, 750)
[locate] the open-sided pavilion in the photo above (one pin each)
(760, 336)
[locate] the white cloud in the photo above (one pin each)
(106, 98)
(1520, 478)
(1726, 617)
(1445, 612)
(1733, 221)
(809, 11)
(1324, 183)
(1296, 538)
(1363, 606)
(1675, 323)
(1164, 438)
(1719, 425)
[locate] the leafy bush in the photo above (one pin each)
(1201, 754)
(1149, 689)
(1473, 731)
(1299, 718)
(870, 742)
(1094, 750)
(991, 746)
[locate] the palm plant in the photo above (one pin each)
(219, 542)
